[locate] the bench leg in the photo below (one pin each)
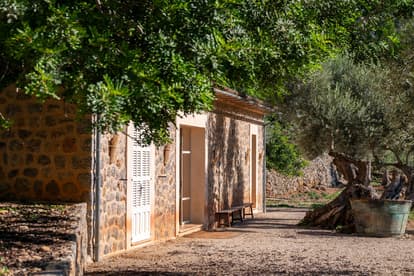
(250, 213)
(226, 218)
(239, 217)
(218, 217)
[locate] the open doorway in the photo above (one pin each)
(253, 168)
(192, 176)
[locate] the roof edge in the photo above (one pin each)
(251, 101)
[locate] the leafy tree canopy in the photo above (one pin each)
(365, 111)
(148, 61)
(342, 106)
(362, 110)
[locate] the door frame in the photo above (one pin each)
(187, 169)
(128, 220)
(199, 121)
(254, 132)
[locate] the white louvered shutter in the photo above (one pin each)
(140, 166)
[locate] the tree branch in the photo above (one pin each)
(99, 5)
(381, 164)
(396, 155)
(408, 154)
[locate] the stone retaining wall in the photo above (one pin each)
(73, 262)
(43, 239)
(317, 173)
(46, 154)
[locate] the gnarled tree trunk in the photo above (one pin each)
(409, 179)
(394, 185)
(336, 213)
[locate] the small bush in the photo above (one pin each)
(281, 154)
(3, 269)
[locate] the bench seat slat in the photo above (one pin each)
(228, 214)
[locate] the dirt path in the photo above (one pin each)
(269, 244)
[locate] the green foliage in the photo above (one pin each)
(313, 195)
(411, 216)
(331, 196)
(59, 208)
(311, 199)
(344, 105)
(314, 206)
(281, 154)
(149, 61)
(4, 123)
(273, 204)
(4, 270)
(361, 109)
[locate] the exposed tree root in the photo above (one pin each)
(337, 213)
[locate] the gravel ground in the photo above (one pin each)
(269, 244)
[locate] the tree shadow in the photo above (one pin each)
(16, 239)
(226, 173)
(286, 209)
(320, 270)
(264, 223)
(409, 232)
(320, 233)
(136, 272)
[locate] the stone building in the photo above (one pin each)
(135, 195)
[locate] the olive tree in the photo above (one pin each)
(361, 113)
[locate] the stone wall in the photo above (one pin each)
(316, 174)
(46, 154)
(165, 191)
(229, 164)
(74, 262)
(113, 231)
(113, 193)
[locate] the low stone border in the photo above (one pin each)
(43, 239)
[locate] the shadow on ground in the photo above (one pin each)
(287, 210)
(139, 273)
(322, 271)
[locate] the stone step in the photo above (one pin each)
(187, 229)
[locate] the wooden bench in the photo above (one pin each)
(235, 213)
(229, 216)
(246, 206)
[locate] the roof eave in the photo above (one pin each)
(250, 103)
